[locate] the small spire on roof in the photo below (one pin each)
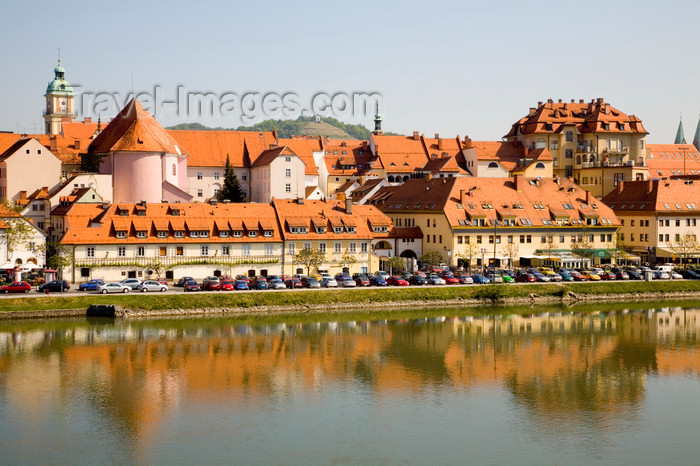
(680, 136)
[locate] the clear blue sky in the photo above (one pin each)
(456, 67)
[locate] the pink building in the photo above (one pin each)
(145, 162)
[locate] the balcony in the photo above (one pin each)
(174, 261)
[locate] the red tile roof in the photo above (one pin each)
(400, 154)
(134, 129)
(552, 117)
(198, 217)
(304, 147)
(210, 148)
(666, 160)
(664, 196)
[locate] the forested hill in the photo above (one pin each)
(327, 127)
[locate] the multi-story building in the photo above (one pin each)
(139, 240)
(659, 219)
(21, 243)
(505, 221)
(277, 173)
(27, 166)
(581, 136)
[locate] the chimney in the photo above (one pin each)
(580, 101)
(76, 142)
(274, 135)
(415, 135)
(519, 182)
(23, 195)
(348, 206)
(300, 200)
(532, 110)
(441, 144)
(539, 104)
(573, 101)
(143, 203)
(589, 198)
(650, 185)
(559, 100)
(467, 142)
(557, 180)
(53, 143)
(620, 186)
(105, 205)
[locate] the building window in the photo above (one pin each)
(200, 193)
(617, 177)
(121, 234)
(179, 234)
(337, 248)
(199, 175)
(90, 251)
(363, 247)
(353, 248)
(162, 234)
(322, 248)
(140, 251)
(269, 249)
(140, 234)
(292, 248)
(569, 136)
(246, 249)
(121, 251)
(287, 159)
(554, 144)
(244, 176)
(179, 251)
(174, 170)
(569, 153)
(225, 250)
(204, 250)
(287, 188)
(288, 173)
(163, 251)
(216, 175)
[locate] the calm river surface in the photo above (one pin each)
(619, 385)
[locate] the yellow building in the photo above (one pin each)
(506, 221)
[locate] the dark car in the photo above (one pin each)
(211, 284)
(481, 279)
(691, 275)
(16, 287)
(622, 275)
(310, 282)
(192, 285)
(293, 282)
(634, 275)
(259, 283)
(183, 280)
(377, 280)
(55, 285)
(91, 285)
(417, 279)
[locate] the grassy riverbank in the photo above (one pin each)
(359, 297)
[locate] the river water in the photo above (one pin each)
(611, 384)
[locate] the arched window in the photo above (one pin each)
(405, 178)
(493, 165)
(391, 178)
(539, 165)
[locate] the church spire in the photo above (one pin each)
(696, 139)
(680, 136)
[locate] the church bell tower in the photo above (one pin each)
(59, 101)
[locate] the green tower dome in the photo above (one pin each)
(59, 85)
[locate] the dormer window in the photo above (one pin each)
(123, 213)
(140, 234)
(179, 234)
(223, 234)
(121, 234)
(268, 233)
(237, 234)
(204, 234)
(337, 229)
(141, 212)
(252, 234)
(299, 230)
(194, 234)
(162, 234)
(321, 230)
(175, 212)
(352, 229)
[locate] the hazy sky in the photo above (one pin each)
(456, 67)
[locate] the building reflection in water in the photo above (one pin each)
(136, 375)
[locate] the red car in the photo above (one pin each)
(16, 287)
(525, 278)
(227, 285)
(450, 278)
(607, 275)
(396, 281)
(578, 277)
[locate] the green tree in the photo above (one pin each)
(347, 260)
(433, 257)
(396, 264)
(231, 190)
(685, 246)
(18, 232)
(309, 257)
(468, 253)
(58, 255)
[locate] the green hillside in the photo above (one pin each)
(326, 127)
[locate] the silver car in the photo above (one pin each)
(329, 282)
(435, 280)
(276, 284)
(151, 285)
(112, 287)
(132, 283)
